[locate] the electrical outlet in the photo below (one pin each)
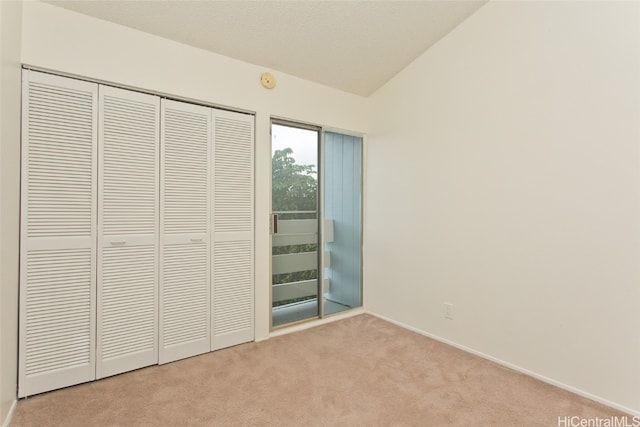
(448, 311)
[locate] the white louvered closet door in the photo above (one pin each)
(58, 235)
(232, 259)
(185, 231)
(128, 220)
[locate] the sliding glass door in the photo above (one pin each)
(316, 222)
(295, 227)
(342, 213)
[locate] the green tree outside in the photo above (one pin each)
(294, 188)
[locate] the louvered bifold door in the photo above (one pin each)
(185, 230)
(232, 265)
(128, 221)
(58, 234)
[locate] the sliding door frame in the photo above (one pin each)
(361, 201)
(321, 214)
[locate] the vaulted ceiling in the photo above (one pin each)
(355, 46)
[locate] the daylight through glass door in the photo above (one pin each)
(295, 227)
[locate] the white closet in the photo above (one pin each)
(136, 231)
(232, 311)
(58, 233)
(185, 234)
(128, 198)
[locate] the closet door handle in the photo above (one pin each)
(275, 223)
(196, 240)
(118, 242)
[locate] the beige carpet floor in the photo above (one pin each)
(360, 371)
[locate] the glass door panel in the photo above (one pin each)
(342, 211)
(295, 228)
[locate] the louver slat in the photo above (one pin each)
(185, 295)
(233, 185)
(57, 271)
(128, 230)
(185, 247)
(233, 282)
(128, 301)
(59, 314)
(60, 173)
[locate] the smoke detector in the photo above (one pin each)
(268, 81)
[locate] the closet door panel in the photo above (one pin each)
(232, 260)
(57, 247)
(128, 231)
(185, 231)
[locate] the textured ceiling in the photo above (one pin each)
(355, 46)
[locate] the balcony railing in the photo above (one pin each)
(295, 237)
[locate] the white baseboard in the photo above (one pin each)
(514, 367)
(7, 419)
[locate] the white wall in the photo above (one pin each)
(10, 35)
(504, 177)
(67, 42)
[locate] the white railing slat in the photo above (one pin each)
(293, 290)
(294, 262)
